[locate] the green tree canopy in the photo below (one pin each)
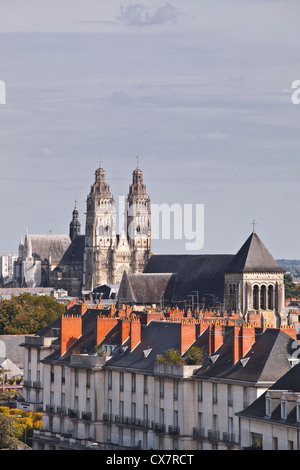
(27, 313)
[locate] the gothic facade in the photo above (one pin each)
(79, 263)
(108, 254)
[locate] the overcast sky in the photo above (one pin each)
(200, 90)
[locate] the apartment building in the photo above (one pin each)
(102, 387)
(272, 422)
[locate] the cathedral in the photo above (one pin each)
(245, 283)
(79, 263)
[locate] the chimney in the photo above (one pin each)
(187, 335)
(236, 343)
(125, 329)
(289, 330)
(135, 333)
(243, 339)
(103, 326)
(70, 331)
(248, 338)
(203, 325)
(215, 337)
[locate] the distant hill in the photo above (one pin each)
(291, 266)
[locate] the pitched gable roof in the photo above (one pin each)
(253, 257)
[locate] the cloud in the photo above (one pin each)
(138, 15)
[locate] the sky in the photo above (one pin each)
(199, 90)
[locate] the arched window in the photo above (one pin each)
(263, 297)
(255, 297)
(271, 297)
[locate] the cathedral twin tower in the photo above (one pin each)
(108, 254)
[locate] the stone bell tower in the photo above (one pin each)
(138, 222)
(254, 283)
(100, 234)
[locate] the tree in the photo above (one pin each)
(27, 313)
(171, 356)
(195, 356)
(289, 286)
(8, 440)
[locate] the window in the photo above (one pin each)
(133, 382)
(161, 387)
(275, 443)
(121, 381)
(121, 409)
(298, 411)
(175, 389)
(257, 440)
(215, 393)
(175, 418)
(146, 415)
(268, 407)
(88, 378)
(109, 380)
(145, 383)
(200, 392)
(161, 416)
(133, 410)
(76, 377)
(283, 410)
(230, 398)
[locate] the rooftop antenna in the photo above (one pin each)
(137, 162)
(100, 161)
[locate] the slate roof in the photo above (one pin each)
(289, 382)
(201, 273)
(75, 251)
(253, 257)
(44, 245)
(267, 359)
(157, 337)
(146, 288)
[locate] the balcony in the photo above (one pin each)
(126, 420)
(198, 433)
(86, 415)
(174, 430)
(61, 410)
(108, 417)
(213, 435)
(159, 428)
(73, 414)
(228, 437)
(50, 409)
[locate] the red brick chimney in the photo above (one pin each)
(289, 330)
(135, 333)
(243, 339)
(103, 326)
(70, 331)
(187, 335)
(215, 339)
(125, 329)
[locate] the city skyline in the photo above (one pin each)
(201, 93)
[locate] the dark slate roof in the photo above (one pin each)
(253, 257)
(157, 337)
(201, 273)
(289, 382)
(146, 288)
(267, 359)
(75, 251)
(44, 245)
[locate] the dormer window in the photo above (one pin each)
(283, 409)
(268, 407)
